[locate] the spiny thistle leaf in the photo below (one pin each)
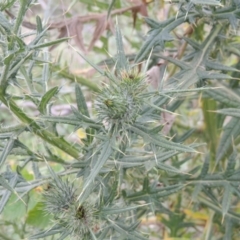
(106, 151)
(205, 167)
(231, 164)
(226, 201)
(46, 98)
(48, 44)
(7, 193)
(158, 35)
(7, 149)
(81, 102)
(121, 62)
(161, 141)
(230, 132)
(234, 112)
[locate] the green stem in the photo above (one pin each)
(211, 130)
(4, 79)
(39, 131)
(75, 78)
(21, 13)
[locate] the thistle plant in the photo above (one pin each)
(126, 172)
(121, 106)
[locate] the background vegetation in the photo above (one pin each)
(119, 119)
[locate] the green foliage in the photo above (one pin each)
(138, 153)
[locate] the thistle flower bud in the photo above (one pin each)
(119, 103)
(61, 202)
(58, 197)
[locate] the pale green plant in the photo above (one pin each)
(126, 169)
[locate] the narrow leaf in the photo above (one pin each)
(224, 95)
(205, 167)
(6, 150)
(11, 129)
(89, 62)
(45, 71)
(106, 150)
(228, 229)
(63, 120)
(175, 61)
(55, 177)
(122, 63)
(39, 24)
(54, 230)
(123, 230)
(219, 66)
(169, 168)
(46, 98)
(230, 132)
(6, 195)
(234, 112)
(6, 185)
(231, 164)
(110, 210)
(81, 102)
(158, 35)
(92, 234)
(110, 8)
(27, 78)
(48, 44)
(207, 2)
(151, 22)
(81, 116)
(4, 22)
(194, 44)
(64, 235)
(170, 190)
(19, 64)
(160, 141)
(233, 215)
(226, 201)
(207, 75)
(196, 191)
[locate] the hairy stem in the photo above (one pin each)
(36, 129)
